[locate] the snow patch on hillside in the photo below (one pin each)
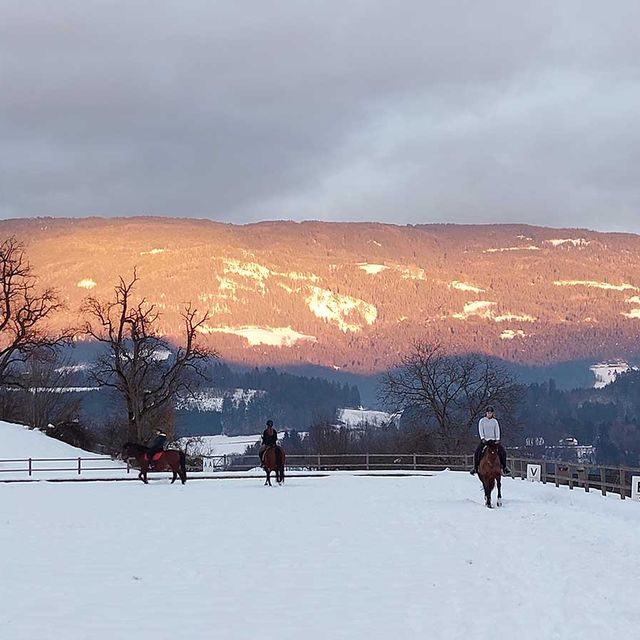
(212, 399)
(606, 372)
(510, 334)
(271, 336)
(246, 269)
(633, 300)
(514, 317)
(412, 273)
(152, 252)
(372, 269)
(341, 310)
(485, 309)
(464, 286)
(576, 242)
(480, 308)
(86, 283)
(594, 284)
(358, 418)
(634, 314)
(501, 249)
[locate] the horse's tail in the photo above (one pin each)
(183, 466)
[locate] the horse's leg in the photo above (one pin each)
(268, 480)
(499, 483)
(175, 475)
(487, 493)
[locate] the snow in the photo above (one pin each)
(271, 336)
(341, 309)
(346, 558)
(465, 286)
(152, 252)
(372, 269)
(576, 242)
(596, 285)
(86, 283)
(510, 334)
(359, 417)
(484, 309)
(501, 249)
(606, 372)
(20, 443)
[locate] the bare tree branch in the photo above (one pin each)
(448, 393)
(133, 362)
(24, 311)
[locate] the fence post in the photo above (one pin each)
(30, 468)
(366, 458)
(586, 479)
(224, 462)
(555, 473)
(570, 470)
(623, 488)
(79, 465)
(415, 461)
(319, 462)
(128, 466)
(603, 481)
(543, 472)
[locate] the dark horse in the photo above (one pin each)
(490, 472)
(273, 460)
(169, 460)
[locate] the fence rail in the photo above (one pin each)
(574, 475)
(31, 466)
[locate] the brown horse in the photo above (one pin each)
(490, 472)
(169, 460)
(273, 459)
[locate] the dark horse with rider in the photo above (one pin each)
(156, 458)
(271, 454)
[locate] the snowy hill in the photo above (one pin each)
(346, 558)
(17, 441)
(359, 418)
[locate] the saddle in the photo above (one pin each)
(155, 457)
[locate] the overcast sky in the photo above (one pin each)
(446, 111)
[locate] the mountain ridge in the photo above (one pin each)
(353, 296)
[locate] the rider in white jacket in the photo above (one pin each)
(489, 429)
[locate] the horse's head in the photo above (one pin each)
(129, 450)
(492, 447)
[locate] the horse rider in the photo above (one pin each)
(156, 445)
(489, 429)
(269, 439)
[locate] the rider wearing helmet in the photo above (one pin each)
(156, 445)
(269, 439)
(489, 429)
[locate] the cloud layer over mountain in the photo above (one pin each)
(454, 111)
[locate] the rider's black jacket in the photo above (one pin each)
(269, 439)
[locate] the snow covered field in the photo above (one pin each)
(321, 558)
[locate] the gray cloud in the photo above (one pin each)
(455, 111)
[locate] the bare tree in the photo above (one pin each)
(448, 393)
(140, 364)
(45, 391)
(24, 310)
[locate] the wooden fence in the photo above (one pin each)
(574, 475)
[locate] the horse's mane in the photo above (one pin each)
(134, 445)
